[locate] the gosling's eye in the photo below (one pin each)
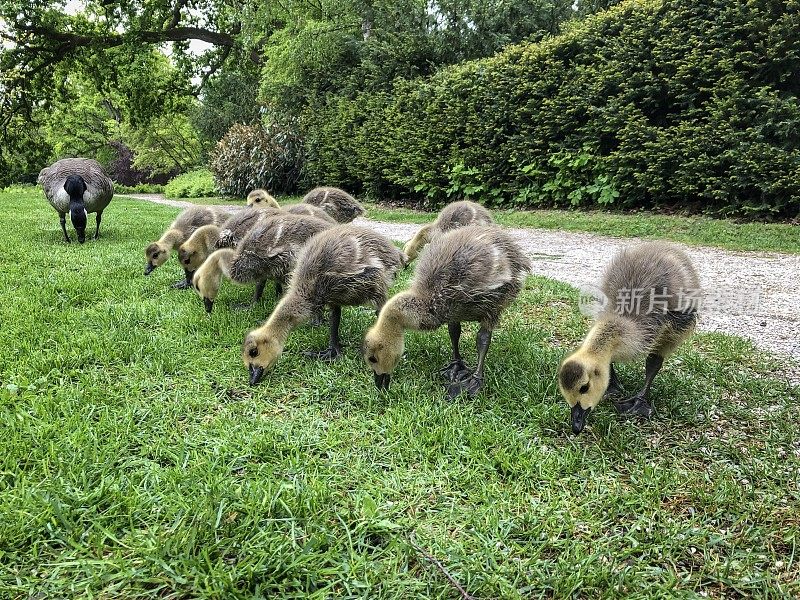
(253, 352)
(584, 388)
(259, 200)
(373, 360)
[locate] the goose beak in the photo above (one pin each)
(149, 268)
(382, 381)
(256, 373)
(209, 304)
(579, 418)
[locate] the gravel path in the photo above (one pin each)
(753, 295)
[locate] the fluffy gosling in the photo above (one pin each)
(652, 292)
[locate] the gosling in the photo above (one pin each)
(470, 274)
(260, 198)
(310, 210)
(651, 294)
(337, 203)
(177, 233)
(452, 216)
(194, 251)
(343, 266)
(267, 252)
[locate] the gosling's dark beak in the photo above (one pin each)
(256, 373)
(382, 381)
(209, 305)
(149, 268)
(579, 418)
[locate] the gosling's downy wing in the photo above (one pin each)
(471, 273)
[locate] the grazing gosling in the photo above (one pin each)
(194, 251)
(452, 216)
(343, 266)
(177, 233)
(651, 292)
(261, 198)
(311, 211)
(469, 274)
(267, 252)
(337, 203)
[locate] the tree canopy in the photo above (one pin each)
(92, 74)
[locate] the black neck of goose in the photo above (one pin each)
(77, 214)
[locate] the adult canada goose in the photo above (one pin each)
(342, 266)
(651, 293)
(77, 186)
(452, 216)
(310, 210)
(337, 203)
(267, 252)
(178, 232)
(469, 274)
(261, 198)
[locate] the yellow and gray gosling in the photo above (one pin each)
(267, 252)
(194, 251)
(336, 202)
(77, 186)
(177, 233)
(469, 274)
(651, 292)
(310, 210)
(345, 265)
(260, 198)
(457, 214)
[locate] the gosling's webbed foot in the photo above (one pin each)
(183, 284)
(455, 370)
(635, 406)
(328, 355)
(623, 406)
(471, 385)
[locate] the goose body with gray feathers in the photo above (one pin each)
(336, 202)
(77, 186)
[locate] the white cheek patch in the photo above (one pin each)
(85, 214)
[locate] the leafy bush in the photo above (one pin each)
(194, 184)
(122, 170)
(256, 156)
(650, 103)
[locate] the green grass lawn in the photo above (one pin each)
(769, 237)
(138, 463)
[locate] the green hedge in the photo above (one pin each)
(682, 103)
(194, 184)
